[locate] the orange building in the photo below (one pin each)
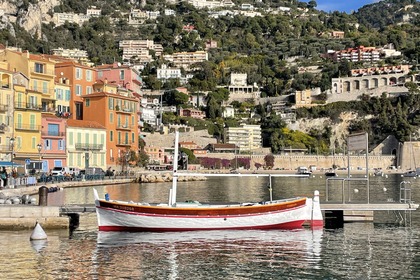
(81, 79)
(117, 111)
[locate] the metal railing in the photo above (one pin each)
(31, 127)
(88, 147)
(25, 105)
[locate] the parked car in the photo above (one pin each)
(60, 170)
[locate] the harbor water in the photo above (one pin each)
(356, 251)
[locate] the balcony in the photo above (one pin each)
(42, 71)
(27, 106)
(27, 127)
(89, 147)
(53, 133)
(124, 126)
(123, 110)
(124, 143)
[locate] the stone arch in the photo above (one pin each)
(375, 82)
(401, 80)
(356, 85)
(347, 86)
(365, 83)
(384, 81)
(335, 88)
(392, 81)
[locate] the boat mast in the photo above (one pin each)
(172, 192)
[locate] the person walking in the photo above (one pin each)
(3, 177)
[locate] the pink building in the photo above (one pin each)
(121, 75)
(53, 142)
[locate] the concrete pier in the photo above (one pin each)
(22, 216)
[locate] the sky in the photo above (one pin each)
(341, 5)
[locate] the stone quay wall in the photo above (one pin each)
(292, 162)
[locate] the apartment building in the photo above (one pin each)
(34, 93)
(164, 73)
(186, 59)
(247, 137)
(361, 53)
(139, 49)
(86, 144)
(116, 111)
(81, 79)
(79, 56)
(6, 111)
(52, 151)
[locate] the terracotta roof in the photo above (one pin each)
(84, 124)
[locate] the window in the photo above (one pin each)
(111, 103)
(111, 117)
(33, 143)
(59, 94)
(19, 121)
(132, 137)
(47, 144)
(61, 145)
(39, 68)
(53, 129)
(87, 102)
(88, 90)
(111, 136)
(100, 74)
(32, 122)
(44, 87)
(78, 90)
(71, 138)
(67, 95)
(122, 75)
(32, 102)
(89, 75)
(35, 85)
(78, 74)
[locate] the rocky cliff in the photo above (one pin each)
(26, 15)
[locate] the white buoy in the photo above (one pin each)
(38, 233)
(384, 189)
(386, 176)
(356, 190)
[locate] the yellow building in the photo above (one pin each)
(33, 94)
(6, 112)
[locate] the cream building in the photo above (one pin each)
(246, 138)
(86, 144)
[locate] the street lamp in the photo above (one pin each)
(12, 146)
(39, 147)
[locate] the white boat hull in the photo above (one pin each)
(113, 220)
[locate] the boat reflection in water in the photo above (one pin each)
(175, 254)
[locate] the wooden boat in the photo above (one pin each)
(114, 215)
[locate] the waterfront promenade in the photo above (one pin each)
(24, 216)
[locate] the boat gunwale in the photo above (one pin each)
(204, 210)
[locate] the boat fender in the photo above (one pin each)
(107, 196)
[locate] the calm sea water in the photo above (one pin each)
(357, 251)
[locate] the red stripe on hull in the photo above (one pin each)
(284, 226)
